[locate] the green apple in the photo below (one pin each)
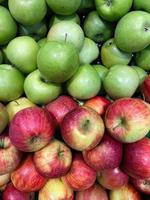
(67, 31)
(22, 52)
(141, 5)
(86, 6)
(121, 81)
(42, 42)
(16, 105)
(89, 51)
(39, 91)
(11, 83)
(28, 12)
(131, 36)
(102, 72)
(58, 18)
(8, 26)
(97, 28)
(4, 119)
(142, 58)
(1, 57)
(112, 10)
(4, 55)
(64, 7)
(111, 55)
(141, 72)
(85, 83)
(36, 31)
(57, 61)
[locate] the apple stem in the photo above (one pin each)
(16, 102)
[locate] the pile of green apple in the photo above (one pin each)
(74, 99)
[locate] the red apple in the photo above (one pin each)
(3, 117)
(145, 88)
(11, 193)
(80, 175)
(127, 192)
(143, 185)
(4, 179)
(31, 129)
(26, 178)
(61, 106)
(95, 192)
(106, 155)
(136, 160)
(56, 189)
(10, 156)
(98, 103)
(128, 120)
(82, 128)
(54, 160)
(112, 179)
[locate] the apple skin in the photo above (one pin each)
(40, 91)
(121, 81)
(56, 188)
(22, 53)
(3, 117)
(127, 120)
(82, 128)
(145, 89)
(95, 192)
(86, 6)
(4, 179)
(15, 106)
(99, 104)
(111, 55)
(10, 156)
(27, 13)
(126, 25)
(82, 179)
(26, 178)
(64, 7)
(142, 74)
(14, 81)
(54, 69)
(61, 106)
(141, 5)
(112, 179)
(8, 25)
(124, 193)
(106, 155)
(96, 28)
(112, 11)
(136, 159)
(11, 193)
(142, 185)
(31, 129)
(77, 85)
(58, 162)
(89, 51)
(67, 31)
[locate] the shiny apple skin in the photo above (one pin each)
(96, 192)
(136, 159)
(61, 106)
(106, 155)
(54, 160)
(112, 179)
(31, 129)
(80, 175)
(82, 128)
(57, 189)
(99, 104)
(127, 120)
(127, 192)
(26, 178)
(11, 193)
(10, 156)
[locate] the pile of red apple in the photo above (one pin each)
(74, 100)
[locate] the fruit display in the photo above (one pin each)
(74, 100)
